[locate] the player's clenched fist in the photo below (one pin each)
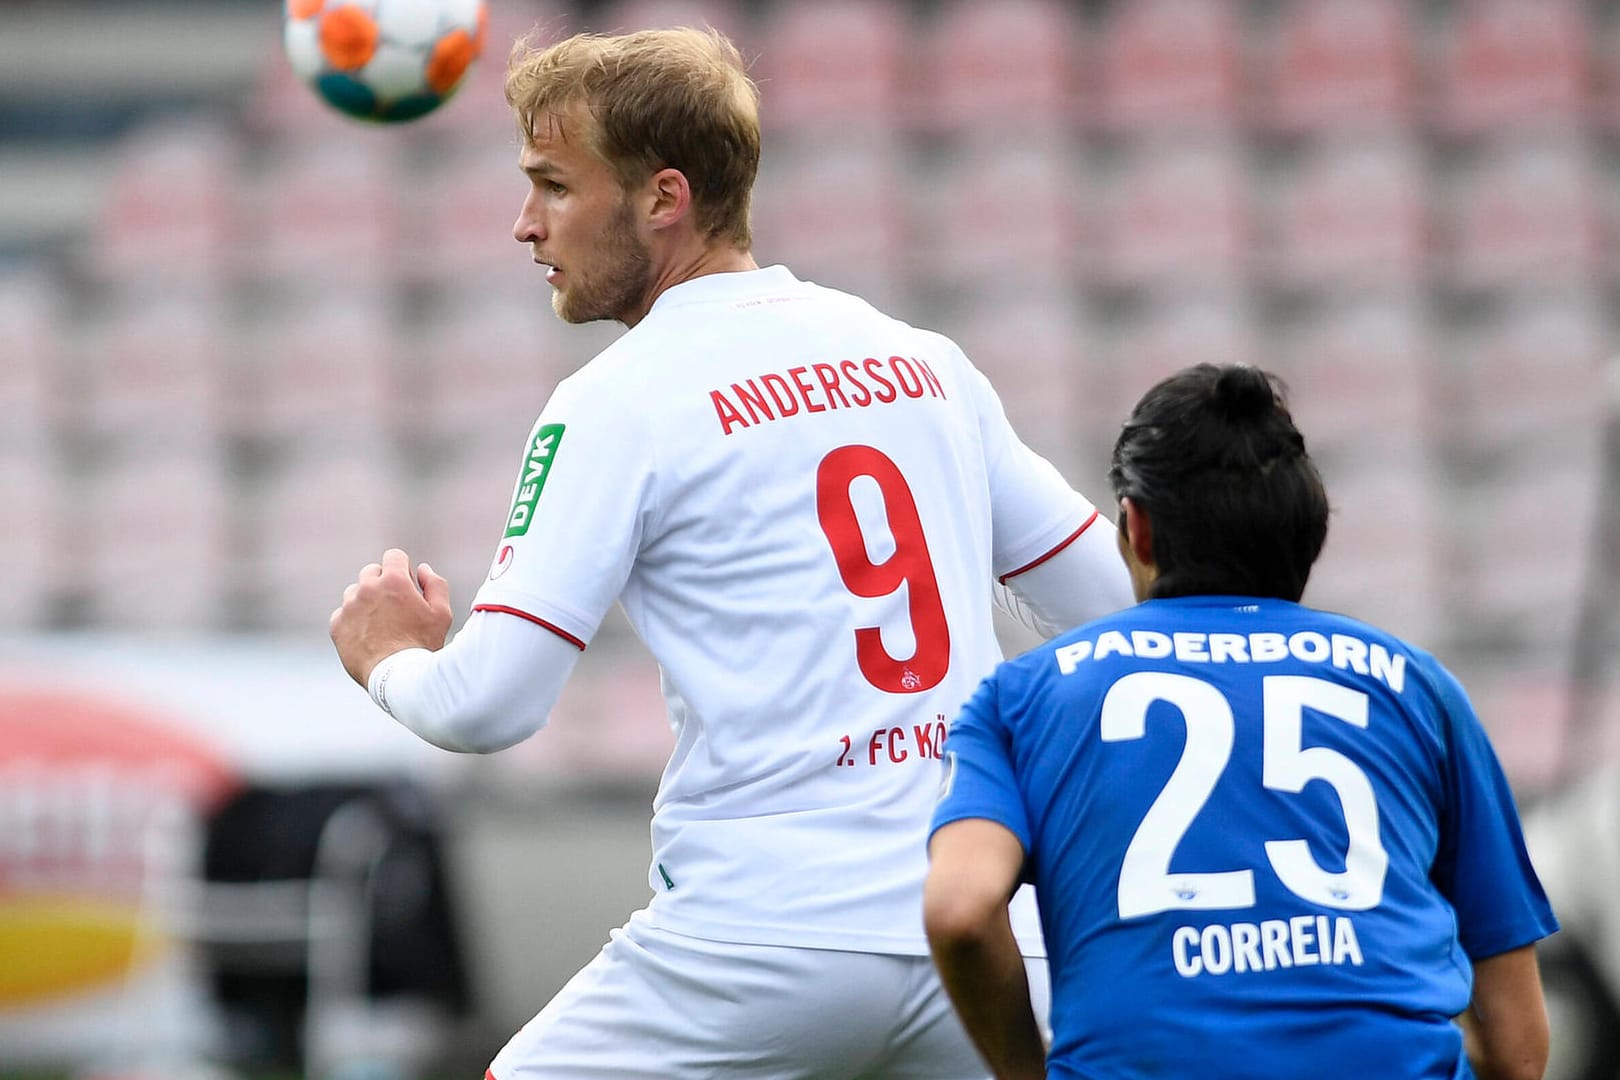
(388, 609)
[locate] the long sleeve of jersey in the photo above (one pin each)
(1083, 580)
(493, 685)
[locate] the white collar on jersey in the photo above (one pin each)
(725, 286)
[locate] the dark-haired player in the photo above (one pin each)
(1268, 841)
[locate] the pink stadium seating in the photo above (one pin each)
(1172, 330)
(1531, 371)
(323, 211)
(160, 371)
(990, 66)
(1352, 213)
(1033, 345)
(487, 363)
(33, 489)
(323, 512)
(158, 552)
(1527, 212)
(1528, 711)
(1511, 62)
(1178, 214)
(1358, 372)
(1385, 546)
(32, 387)
(1020, 200)
(1605, 111)
(321, 366)
(1171, 62)
(169, 215)
(1341, 63)
(730, 17)
(1511, 572)
(464, 211)
(456, 522)
(834, 66)
(834, 210)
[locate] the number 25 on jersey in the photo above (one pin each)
(1146, 883)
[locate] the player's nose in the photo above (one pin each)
(528, 229)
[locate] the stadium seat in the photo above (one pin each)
(156, 358)
(1521, 546)
(1351, 213)
(1336, 64)
(33, 488)
(1171, 63)
(1035, 347)
(1604, 112)
(1527, 213)
(1167, 332)
(1527, 708)
(730, 17)
(1514, 62)
(1530, 371)
(833, 209)
(465, 209)
(456, 521)
(170, 215)
(487, 362)
(321, 365)
(321, 512)
(323, 210)
(1384, 546)
(158, 552)
(1359, 373)
(991, 66)
(32, 384)
(1004, 209)
(835, 67)
(1177, 214)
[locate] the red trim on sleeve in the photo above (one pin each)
(1071, 538)
(538, 621)
(488, 1074)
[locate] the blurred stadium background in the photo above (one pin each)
(246, 343)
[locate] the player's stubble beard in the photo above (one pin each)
(617, 281)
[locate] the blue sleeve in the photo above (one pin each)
(979, 780)
(1482, 866)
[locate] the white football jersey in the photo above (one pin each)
(801, 504)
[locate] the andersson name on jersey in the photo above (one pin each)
(816, 388)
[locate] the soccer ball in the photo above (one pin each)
(383, 60)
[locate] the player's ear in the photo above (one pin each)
(671, 197)
(1136, 531)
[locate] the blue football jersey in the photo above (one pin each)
(1266, 841)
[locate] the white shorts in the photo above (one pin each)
(660, 1006)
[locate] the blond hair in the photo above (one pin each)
(678, 99)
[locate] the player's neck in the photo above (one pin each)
(699, 261)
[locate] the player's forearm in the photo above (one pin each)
(492, 686)
(1508, 1017)
(984, 975)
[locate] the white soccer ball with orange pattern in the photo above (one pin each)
(384, 60)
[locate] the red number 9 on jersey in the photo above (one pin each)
(910, 565)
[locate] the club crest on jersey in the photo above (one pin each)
(536, 467)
